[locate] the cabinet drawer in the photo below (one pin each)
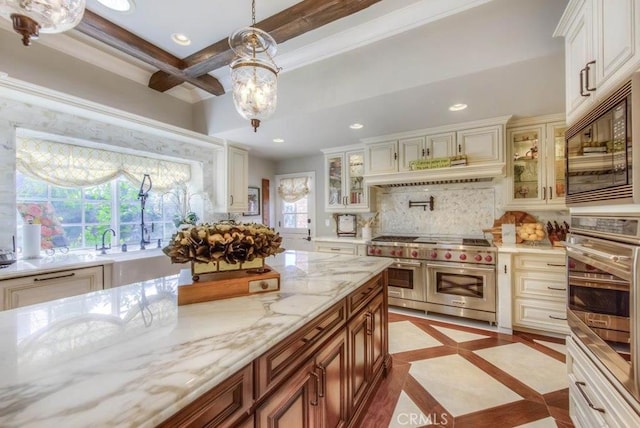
(30, 290)
(540, 315)
(281, 360)
(337, 248)
(363, 295)
(541, 286)
(540, 262)
(222, 406)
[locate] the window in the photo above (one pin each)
(76, 217)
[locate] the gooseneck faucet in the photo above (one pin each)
(143, 194)
(103, 249)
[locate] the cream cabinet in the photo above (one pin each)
(602, 40)
(345, 190)
(232, 180)
(536, 165)
(381, 158)
(481, 145)
(29, 290)
(337, 247)
(427, 147)
(594, 401)
(539, 292)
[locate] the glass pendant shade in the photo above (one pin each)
(254, 76)
(29, 17)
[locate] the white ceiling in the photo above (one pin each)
(395, 66)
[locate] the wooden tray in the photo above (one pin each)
(510, 217)
(225, 285)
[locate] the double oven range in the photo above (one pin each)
(447, 275)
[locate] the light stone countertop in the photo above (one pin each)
(531, 249)
(129, 357)
(345, 239)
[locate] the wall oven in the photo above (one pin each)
(599, 153)
(603, 267)
(406, 280)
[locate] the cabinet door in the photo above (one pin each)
(377, 330)
(57, 285)
(294, 404)
(410, 149)
(556, 164)
(578, 52)
(616, 40)
(238, 179)
(481, 145)
(440, 145)
(381, 158)
(359, 357)
(332, 365)
(526, 158)
(334, 165)
(354, 182)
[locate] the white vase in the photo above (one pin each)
(366, 233)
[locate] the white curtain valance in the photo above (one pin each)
(293, 189)
(68, 165)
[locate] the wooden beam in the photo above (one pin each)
(292, 22)
(117, 37)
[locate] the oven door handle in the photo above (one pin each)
(596, 253)
(401, 265)
(460, 266)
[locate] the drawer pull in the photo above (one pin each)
(557, 289)
(580, 384)
(69, 275)
(367, 291)
(336, 249)
(558, 318)
(556, 265)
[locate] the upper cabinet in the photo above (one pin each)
(345, 190)
(392, 159)
(601, 49)
(536, 152)
(231, 187)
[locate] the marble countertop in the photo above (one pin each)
(72, 260)
(129, 356)
(546, 248)
(346, 239)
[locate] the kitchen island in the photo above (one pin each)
(129, 356)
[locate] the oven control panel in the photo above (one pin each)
(460, 255)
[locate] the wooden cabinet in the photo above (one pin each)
(602, 40)
(225, 405)
(427, 147)
(536, 177)
(594, 401)
(29, 290)
(345, 190)
(231, 185)
(540, 292)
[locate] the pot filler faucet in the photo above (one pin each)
(145, 187)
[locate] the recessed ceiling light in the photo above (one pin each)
(278, 140)
(458, 107)
(181, 39)
(356, 126)
(119, 5)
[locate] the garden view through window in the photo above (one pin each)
(76, 217)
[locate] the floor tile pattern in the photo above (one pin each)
(450, 375)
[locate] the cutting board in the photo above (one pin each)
(510, 217)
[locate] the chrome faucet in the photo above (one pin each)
(103, 249)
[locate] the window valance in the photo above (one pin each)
(293, 189)
(69, 165)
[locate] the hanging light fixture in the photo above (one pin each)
(254, 74)
(30, 17)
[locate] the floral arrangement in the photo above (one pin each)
(369, 221)
(44, 213)
(227, 241)
(181, 197)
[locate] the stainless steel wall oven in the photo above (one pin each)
(406, 280)
(603, 268)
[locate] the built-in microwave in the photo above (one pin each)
(599, 156)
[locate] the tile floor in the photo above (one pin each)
(452, 375)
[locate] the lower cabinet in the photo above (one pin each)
(33, 289)
(340, 248)
(320, 376)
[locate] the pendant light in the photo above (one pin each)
(254, 74)
(30, 17)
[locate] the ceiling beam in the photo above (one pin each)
(117, 37)
(292, 22)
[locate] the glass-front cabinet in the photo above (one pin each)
(344, 188)
(537, 166)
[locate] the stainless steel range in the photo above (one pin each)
(454, 276)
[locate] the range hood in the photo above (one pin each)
(456, 174)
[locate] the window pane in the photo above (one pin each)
(29, 188)
(65, 193)
(73, 234)
(101, 192)
(301, 221)
(98, 212)
(68, 211)
(289, 220)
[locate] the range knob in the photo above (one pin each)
(447, 256)
(463, 256)
(393, 252)
(433, 254)
(414, 254)
(399, 253)
(478, 258)
(378, 251)
(372, 251)
(572, 264)
(488, 258)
